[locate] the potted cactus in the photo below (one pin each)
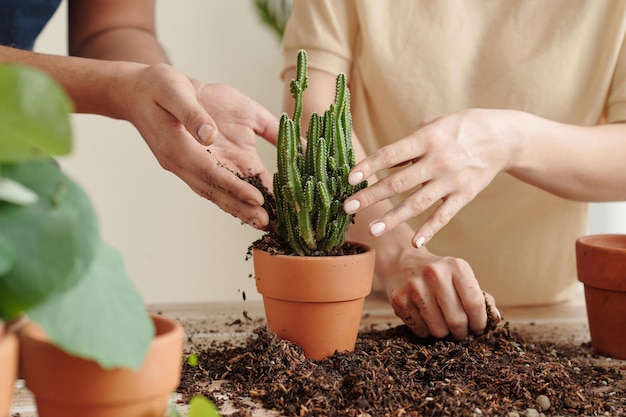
(313, 282)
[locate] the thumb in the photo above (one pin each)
(206, 133)
(201, 125)
(194, 117)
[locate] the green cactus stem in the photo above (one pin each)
(310, 186)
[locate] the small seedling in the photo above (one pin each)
(192, 360)
(199, 406)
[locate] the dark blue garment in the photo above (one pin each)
(21, 21)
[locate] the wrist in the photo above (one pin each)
(521, 127)
(115, 90)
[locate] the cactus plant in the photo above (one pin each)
(311, 183)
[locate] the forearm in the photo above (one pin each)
(122, 44)
(583, 163)
(94, 86)
(117, 30)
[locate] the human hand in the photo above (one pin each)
(437, 296)
(451, 158)
(179, 117)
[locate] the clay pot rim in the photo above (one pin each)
(363, 246)
(315, 276)
(164, 330)
(602, 242)
(39, 357)
(600, 261)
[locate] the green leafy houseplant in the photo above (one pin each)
(54, 265)
(311, 184)
(274, 14)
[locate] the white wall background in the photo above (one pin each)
(607, 217)
(177, 246)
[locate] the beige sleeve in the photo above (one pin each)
(616, 103)
(326, 29)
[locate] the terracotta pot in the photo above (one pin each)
(8, 370)
(601, 264)
(315, 302)
(67, 386)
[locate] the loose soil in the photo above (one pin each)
(393, 373)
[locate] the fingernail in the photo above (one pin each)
(205, 133)
(497, 312)
(350, 206)
(419, 242)
(378, 228)
(355, 178)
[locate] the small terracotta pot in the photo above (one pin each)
(601, 264)
(315, 301)
(67, 386)
(8, 370)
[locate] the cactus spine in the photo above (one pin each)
(310, 186)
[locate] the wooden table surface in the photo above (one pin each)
(204, 323)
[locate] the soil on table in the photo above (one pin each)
(393, 373)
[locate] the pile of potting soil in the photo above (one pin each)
(393, 373)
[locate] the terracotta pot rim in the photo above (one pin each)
(168, 329)
(366, 250)
(314, 279)
(601, 261)
(68, 387)
(599, 242)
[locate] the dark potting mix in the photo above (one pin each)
(393, 373)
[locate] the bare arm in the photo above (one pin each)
(455, 156)
(83, 79)
(118, 30)
(121, 71)
(582, 163)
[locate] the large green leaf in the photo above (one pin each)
(103, 318)
(7, 254)
(54, 240)
(34, 115)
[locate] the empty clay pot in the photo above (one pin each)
(67, 386)
(601, 264)
(8, 370)
(315, 301)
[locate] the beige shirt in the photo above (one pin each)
(410, 60)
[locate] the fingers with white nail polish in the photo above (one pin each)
(378, 228)
(351, 206)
